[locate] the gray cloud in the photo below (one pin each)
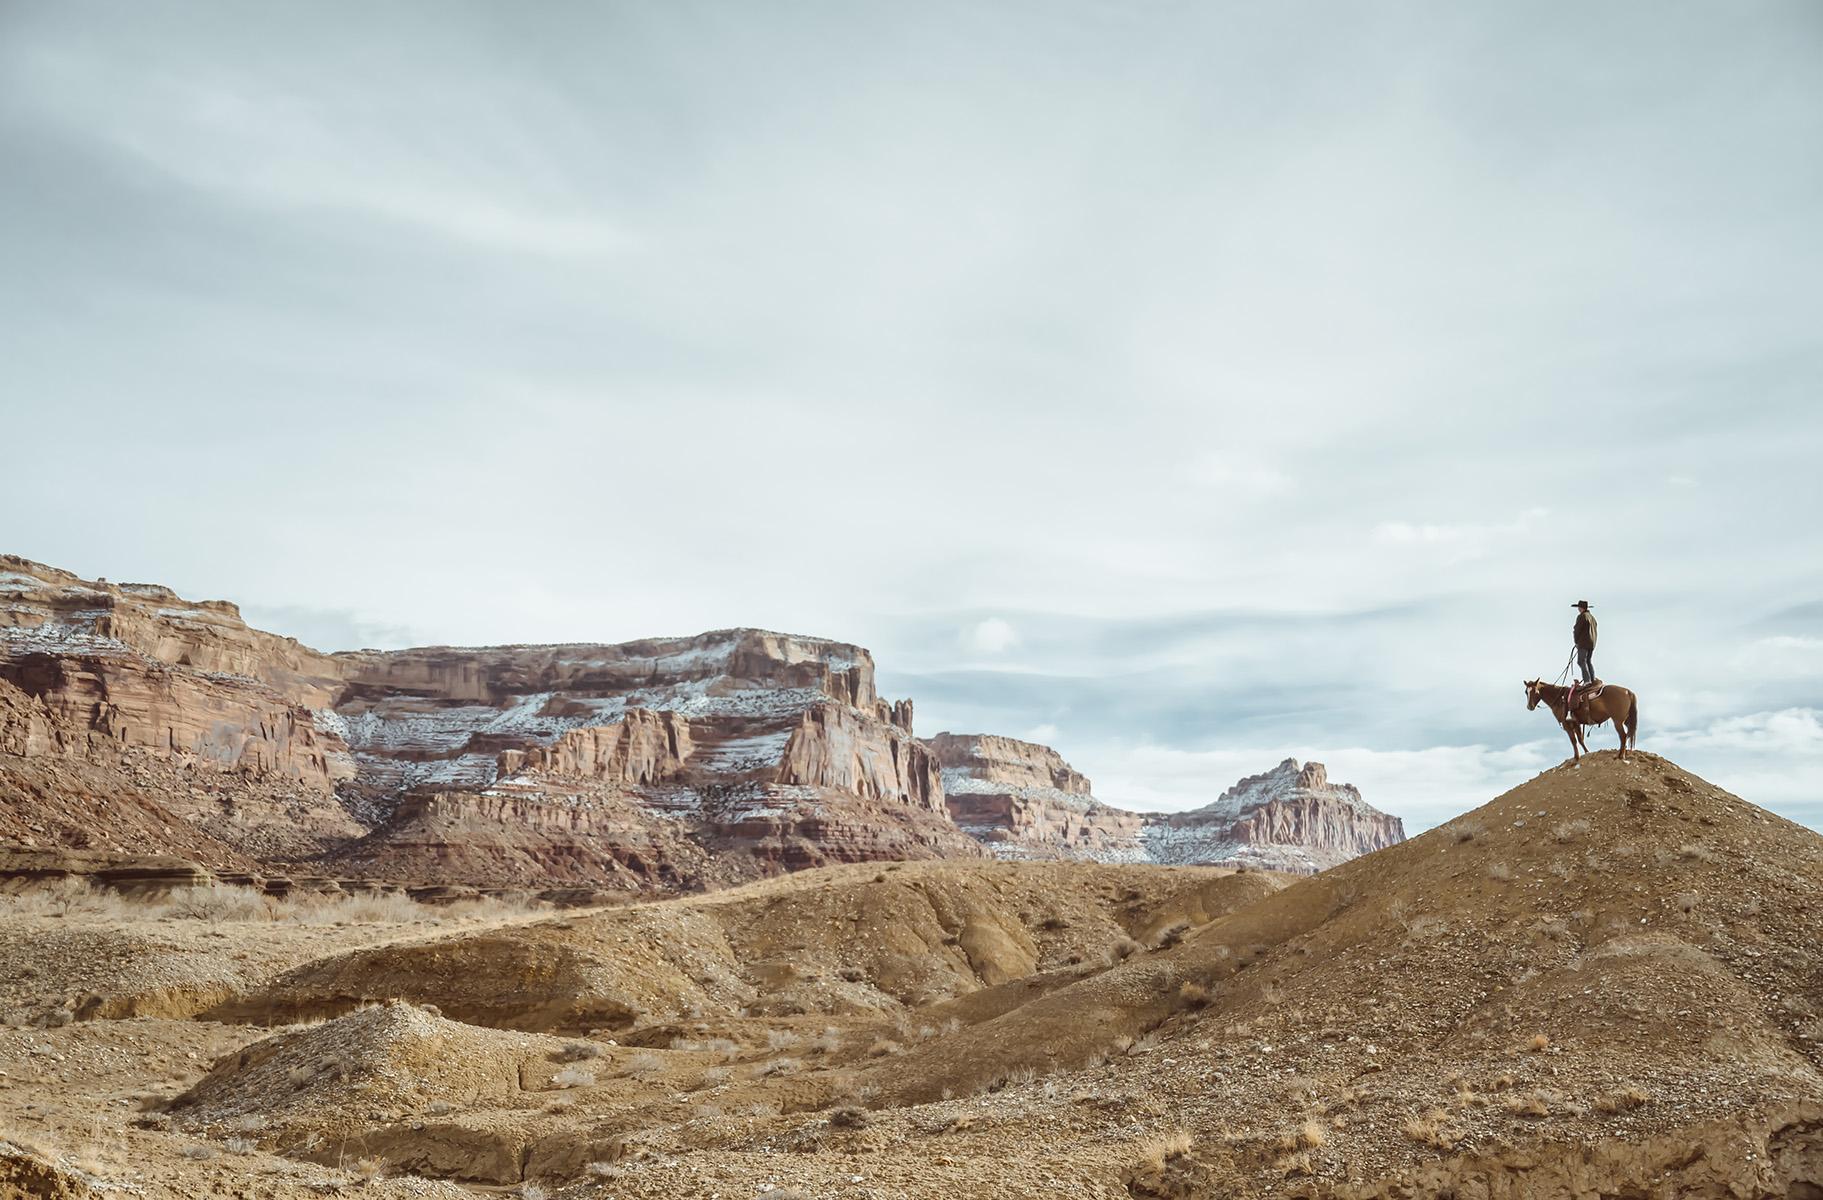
(1268, 372)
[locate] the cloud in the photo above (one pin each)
(1459, 540)
(991, 636)
(329, 629)
(1086, 389)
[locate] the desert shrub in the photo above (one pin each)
(852, 975)
(1171, 935)
(1569, 831)
(576, 1052)
(574, 1076)
(715, 1076)
(1466, 831)
(781, 1066)
(198, 1152)
(1500, 871)
(828, 1042)
(241, 1145)
(1123, 949)
(646, 1062)
(850, 1116)
(1054, 923)
(216, 904)
(884, 1048)
(1193, 995)
(605, 1170)
(783, 1039)
(1538, 1043)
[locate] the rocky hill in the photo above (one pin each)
(1023, 801)
(133, 720)
(1603, 983)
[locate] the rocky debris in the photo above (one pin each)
(1022, 800)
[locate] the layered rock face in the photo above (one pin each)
(1290, 818)
(1023, 801)
(134, 665)
(666, 762)
(131, 718)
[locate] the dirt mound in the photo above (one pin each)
(1596, 943)
(849, 940)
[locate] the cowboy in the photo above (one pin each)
(1584, 633)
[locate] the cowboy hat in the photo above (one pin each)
(1580, 604)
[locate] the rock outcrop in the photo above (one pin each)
(1290, 818)
(1022, 800)
(134, 720)
(131, 718)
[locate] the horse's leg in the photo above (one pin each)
(1620, 731)
(1569, 727)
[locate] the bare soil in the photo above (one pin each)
(1605, 983)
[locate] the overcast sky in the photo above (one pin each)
(1186, 385)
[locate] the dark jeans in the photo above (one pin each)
(1585, 662)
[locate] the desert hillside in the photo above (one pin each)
(1605, 982)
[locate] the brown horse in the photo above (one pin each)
(1615, 703)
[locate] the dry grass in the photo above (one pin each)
(1193, 995)
(573, 1076)
(1156, 1151)
(1625, 1100)
(1569, 831)
(850, 1116)
(1539, 1043)
(1534, 1104)
(1500, 871)
(1433, 1129)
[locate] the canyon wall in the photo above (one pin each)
(130, 716)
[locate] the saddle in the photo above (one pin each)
(1583, 691)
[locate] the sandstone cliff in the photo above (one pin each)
(1023, 801)
(1290, 818)
(663, 762)
(133, 719)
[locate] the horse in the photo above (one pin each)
(1614, 703)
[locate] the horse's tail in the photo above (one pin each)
(1632, 720)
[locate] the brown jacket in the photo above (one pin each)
(1584, 633)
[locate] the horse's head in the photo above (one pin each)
(1534, 692)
